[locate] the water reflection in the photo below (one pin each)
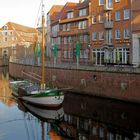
(88, 118)
(45, 113)
(80, 118)
(45, 120)
(5, 92)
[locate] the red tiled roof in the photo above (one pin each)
(18, 27)
(68, 6)
(55, 9)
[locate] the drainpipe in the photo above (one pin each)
(131, 49)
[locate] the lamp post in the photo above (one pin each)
(77, 53)
(38, 52)
(89, 52)
(55, 50)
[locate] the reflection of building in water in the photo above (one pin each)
(89, 118)
(87, 129)
(5, 74)
(5, 91)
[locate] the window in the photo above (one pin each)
(108, 16)
(122, 55)
(126, 33)
(82, 12)
(86, 38)
(101, 35)
(98, 59)
(109, 37)
(94, 19)
(94, 36)
(109, 3)
(69, 39)
(5, 39)
(118, 34)
(82, 24)
(126, 14)
(101, 18)
(5, 27)
(84, 54)
(55, 30)
(68, 27)
(117, 15)
(64, 27)
(81, 38)
(117, 0)
(70, 15)
(65, 40)
(101, 2)
(6, 33)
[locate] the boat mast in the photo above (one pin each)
(43, 43)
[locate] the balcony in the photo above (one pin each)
(75, 31)
(107, 8)
(108, 45)
(108, 25)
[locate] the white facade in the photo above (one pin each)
(136, 49)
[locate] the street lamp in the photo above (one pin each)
(55, 50)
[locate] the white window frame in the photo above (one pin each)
(94, 20)
(64, 27)
(117, 34)
(65, 40)
(83, 12)
(70, 15)
(101, 18)
(126, 33)
(101, 3)
(117, 0)
(82, 24)
(126, 14)
(94, 36)
(116, 15)
(101, 36)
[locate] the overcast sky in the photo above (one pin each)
(24, 11)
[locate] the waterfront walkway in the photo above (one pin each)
(83, 66)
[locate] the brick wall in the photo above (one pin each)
(118, 85)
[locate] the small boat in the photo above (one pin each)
(33, 94)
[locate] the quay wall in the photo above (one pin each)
(113, 82)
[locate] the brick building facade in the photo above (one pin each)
(103, 29)
(111, 31)
(17, 41)
(74, 27)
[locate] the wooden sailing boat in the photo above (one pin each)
(36, 94)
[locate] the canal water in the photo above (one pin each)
(79, 118)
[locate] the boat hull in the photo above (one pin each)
(45, 113)
(50, 101)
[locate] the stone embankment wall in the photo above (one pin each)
(113, 82)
